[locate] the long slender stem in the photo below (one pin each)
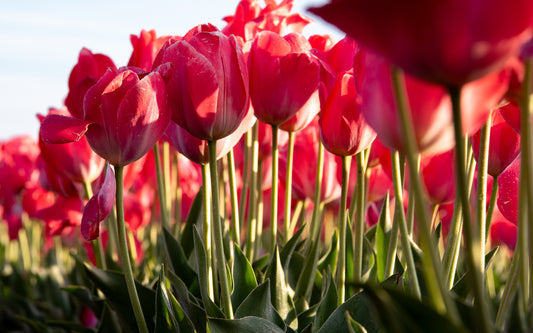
(433, 270)
(235, 223)
(482, 174)
(218, 232)
(472, 242)
(274, 190)
(508, 293)
(245, 176)
(252, 205)
(404, 232)
(341, 265)
(161, 188)
(206, 228)
(315, 221)
(288, 188)
(359, 222)
(124, 253)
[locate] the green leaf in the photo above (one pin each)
(201, 263)
(193, 219)
(382, 239)
(353, 326)
(330, 259)
(188, 303)
(178, 260)
(258, 304)
(165, 320)
(289, 248)
(307, 317)
(108, 322)
(113, 286)
(328, 304)
(243, 277)
(86, 297)
(359, 308)
(280, 291)
(243, 325)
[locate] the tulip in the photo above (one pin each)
(430, 106)
(438, 174)
(343, 130)
(86, 72)
(207, 85)
(449, 42)
(281, 81)
(508, 188)
(504, 145)
(145, 49)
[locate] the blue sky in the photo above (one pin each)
(40, 42)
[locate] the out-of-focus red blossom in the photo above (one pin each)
(321, 43)
(343, 129)
(54, 180)
(249, 19)
(508, 184)
(430, 106)
(89, 69)
(207, 84)
(75, 160)
(341, 56)
(196, 149)
(264, 138)
(377, 152)
(304, 170)
(511, 113)
(419, 37)
(61, 216)
(504, 145)
(35, 198)
(18, 161)
(503, 232)
(438, 176)
(145, 48)
(282, 80)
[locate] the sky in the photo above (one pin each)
(40, 42)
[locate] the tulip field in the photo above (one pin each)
(252, 178)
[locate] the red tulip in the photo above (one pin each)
(343, 130)
(438, 175)
(207, 84)
(448, 42)
(508, 185)
(145, 48)
(281, 80)
(504, 145)
(430, 106)
(75, 160)
(250, 19)
(86, 72)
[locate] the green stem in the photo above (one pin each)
(124, 253)
(433, 270)
(274, 190)
(492, 205)
(206, 189)
(235, 224)
(288, 188)
(161, 188)
(411, 204)
(341, 265)
(166, 179)
(482, 174)
(259, 205)
(246, 170)
(252, 205)
(472, 242)
(315, 221)
(359, 222)
(218, 232)
(404, 232)
(508, 293)
(178, 195)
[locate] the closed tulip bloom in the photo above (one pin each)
(145, 48)
(343, 129)
(281, 80)
(207, 84)
(438, 174)
(448, 42)
(508, 187)
(504, 145)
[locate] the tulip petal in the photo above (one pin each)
(62, 129)
(98, 207)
